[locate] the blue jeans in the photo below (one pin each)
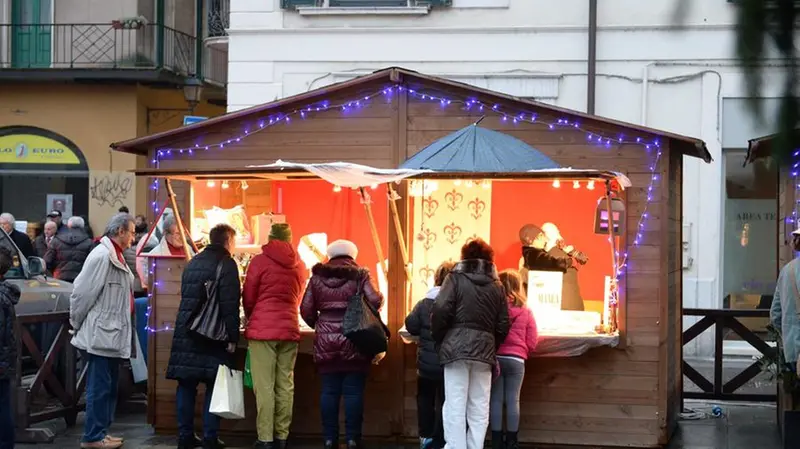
(187, 393)
(6, 415)
(334, 386)
(101, 396)
(506, 390)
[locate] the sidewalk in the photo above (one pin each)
(739, 427)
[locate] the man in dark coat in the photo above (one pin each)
(194, 359)
(537, 257)
(21, 239)
(9, 297)
(68, 251)
(469, 322)
(42, 241)
(430, 375)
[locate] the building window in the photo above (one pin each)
(750, 245)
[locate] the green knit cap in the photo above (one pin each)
(281, 231)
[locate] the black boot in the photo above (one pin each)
(353, 444)
(264, 445)
(497, 440)
(511, 440)
(330, 444)
(187, 443)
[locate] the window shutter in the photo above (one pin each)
(434, 3)
(366, 3)
(293, 4)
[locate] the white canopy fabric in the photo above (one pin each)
(346, 174)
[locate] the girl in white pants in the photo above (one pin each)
(469, 320)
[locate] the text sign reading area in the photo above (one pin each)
(32, 149)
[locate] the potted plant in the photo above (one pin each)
(788, 391)
(129, 23)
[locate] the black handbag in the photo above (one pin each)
(363, 326)
(206, 320)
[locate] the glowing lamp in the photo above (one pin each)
(617, 216)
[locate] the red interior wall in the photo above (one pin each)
(313, 206)
(516, 203)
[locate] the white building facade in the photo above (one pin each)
(647, 72)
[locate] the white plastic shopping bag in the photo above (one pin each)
(138, 365)
(227, 401)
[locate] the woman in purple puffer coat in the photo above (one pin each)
(342, 368)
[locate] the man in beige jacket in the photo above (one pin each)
(101, 307)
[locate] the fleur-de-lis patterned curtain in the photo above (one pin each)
(445, 219)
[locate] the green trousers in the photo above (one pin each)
(272, 368)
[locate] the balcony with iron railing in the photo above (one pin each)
(218, 21)
(141, 52)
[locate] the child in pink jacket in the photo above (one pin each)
(511, 355)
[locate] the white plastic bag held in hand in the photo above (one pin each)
(227, 401)
(138, 365)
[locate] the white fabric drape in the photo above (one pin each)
(345, 174)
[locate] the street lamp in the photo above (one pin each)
(192, 90)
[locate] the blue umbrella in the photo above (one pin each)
(479, 150)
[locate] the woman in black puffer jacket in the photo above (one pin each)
(430, 376)
(469, 321)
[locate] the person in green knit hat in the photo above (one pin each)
(271, 297)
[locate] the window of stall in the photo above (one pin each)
(447, 213)
(317, 212)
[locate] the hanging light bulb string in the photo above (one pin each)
(637, 241)
(361, 101)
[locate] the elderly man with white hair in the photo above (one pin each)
(68, 250)
(101, 310)
(21, 239)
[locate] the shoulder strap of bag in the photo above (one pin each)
(219, 270)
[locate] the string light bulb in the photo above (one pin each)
(576, 185)
(486, 184)
(245, 185)
(590, 185)
(337, 189)
(225, 184)
(373, 186)
(469, 183)
(211, 183)
(457, 182)
(556, 183)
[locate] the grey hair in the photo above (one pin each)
(9, 218)
(76, 222)
(118, 223)
(169, 223)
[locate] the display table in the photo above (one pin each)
(553, 344)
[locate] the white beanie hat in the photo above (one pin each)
(342, 248)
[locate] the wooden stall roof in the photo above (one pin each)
(274, 173)
(762, 146)
(685, 145)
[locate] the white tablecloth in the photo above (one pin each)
(554, 344)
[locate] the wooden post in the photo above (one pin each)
(614, 307)
(374, 231)
(171, 195)
(399, 230)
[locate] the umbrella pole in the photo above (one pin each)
(398, 229)
(374, 231)
(171, 195)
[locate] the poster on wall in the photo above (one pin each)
(108, 191)
(60, 202)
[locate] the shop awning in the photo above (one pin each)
(477, 149)
(346, 174)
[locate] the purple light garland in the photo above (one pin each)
(468, 104)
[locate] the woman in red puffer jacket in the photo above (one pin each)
(343, 369)
(271, 297)
(518, 345)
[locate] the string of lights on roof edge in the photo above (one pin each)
(469, 104)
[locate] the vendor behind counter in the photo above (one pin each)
(543, 250)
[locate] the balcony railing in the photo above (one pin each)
(219, 17)
(97, 46)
